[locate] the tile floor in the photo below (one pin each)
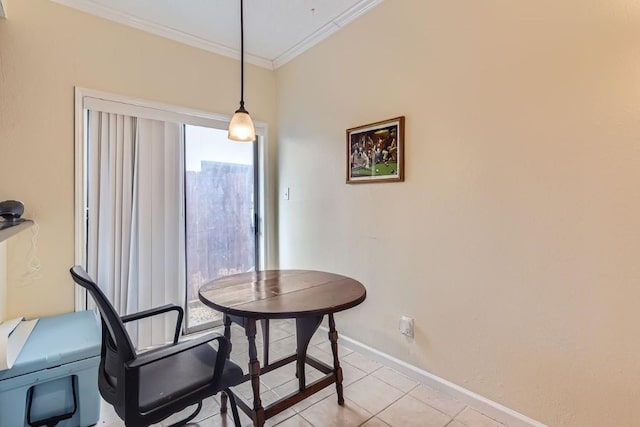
(375, 395)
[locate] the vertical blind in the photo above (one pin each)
(135, 220)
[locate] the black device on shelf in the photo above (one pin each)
(11, 210)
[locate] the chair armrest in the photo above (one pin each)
(158, 310)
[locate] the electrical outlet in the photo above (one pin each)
(406, 326)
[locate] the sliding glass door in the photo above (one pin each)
(221, 202)
(164, 203)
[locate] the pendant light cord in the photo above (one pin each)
(241, 54)
(241, 126)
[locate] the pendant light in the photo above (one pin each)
(241, 127)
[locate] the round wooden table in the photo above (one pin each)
(304, 295)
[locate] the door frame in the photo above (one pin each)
(161, 111)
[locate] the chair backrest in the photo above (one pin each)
(117, 348)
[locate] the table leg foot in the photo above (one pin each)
(333, 338)
(254, 373)
(258, 418)
(223, 403)
(227, 335)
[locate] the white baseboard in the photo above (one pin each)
(486, 406)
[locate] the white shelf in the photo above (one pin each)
(9, 229)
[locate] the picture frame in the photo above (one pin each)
(375, 152)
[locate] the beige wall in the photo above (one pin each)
(47, 49)
(514, 241)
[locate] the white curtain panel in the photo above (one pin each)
(136, 218)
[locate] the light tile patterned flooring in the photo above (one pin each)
(375, 395)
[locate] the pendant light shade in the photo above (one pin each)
(241, 127)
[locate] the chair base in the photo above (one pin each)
(189, 418)
(234, 407)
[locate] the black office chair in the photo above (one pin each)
(149, 387)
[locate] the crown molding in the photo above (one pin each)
(336, 24)
(305, 44)
(355, 11)
(96, 9)
(3, 14)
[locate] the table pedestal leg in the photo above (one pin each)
(254, 373)
(265, 341)
(305, 328)
(227, 334)
(333, 337)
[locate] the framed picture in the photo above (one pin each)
(375, 152)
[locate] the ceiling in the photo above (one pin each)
(276, 31)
